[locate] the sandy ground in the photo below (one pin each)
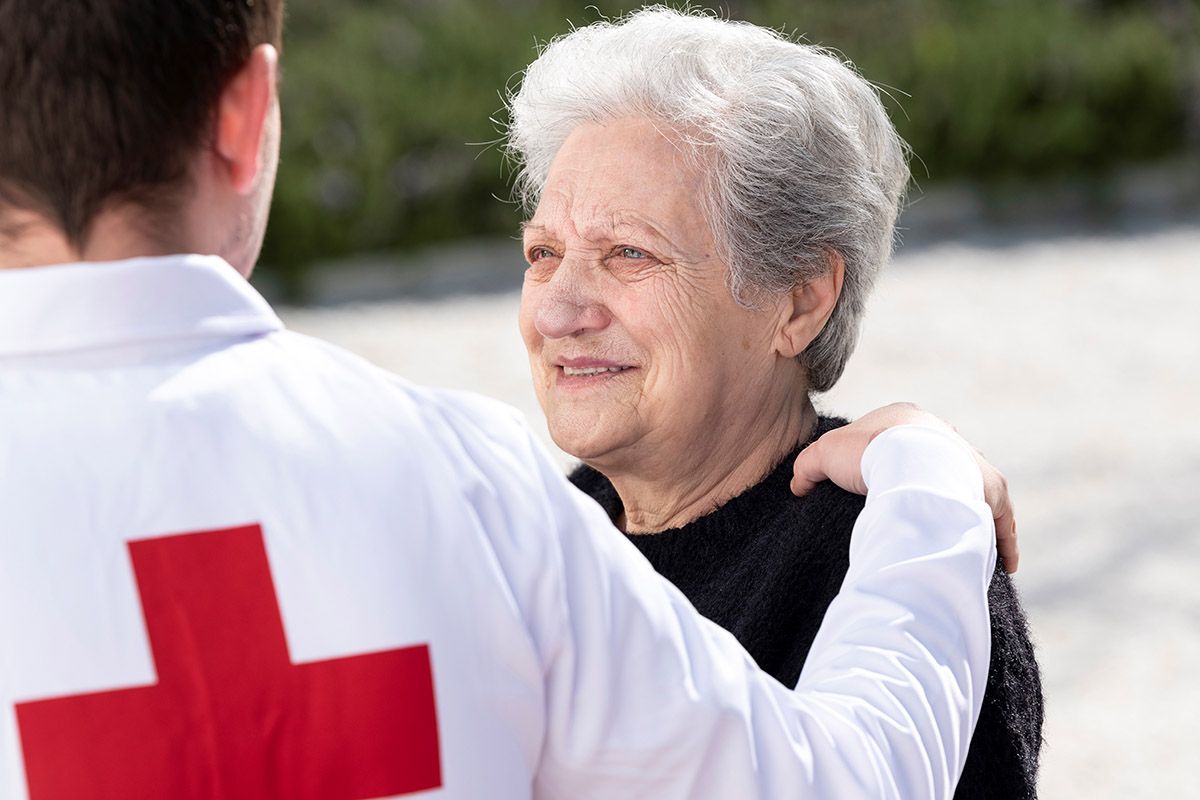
(1073, 362)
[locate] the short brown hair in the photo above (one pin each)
(105, 101)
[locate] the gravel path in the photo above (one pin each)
(1074, 363)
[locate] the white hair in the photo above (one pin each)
(799, 156)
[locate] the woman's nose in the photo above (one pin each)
(570, 304)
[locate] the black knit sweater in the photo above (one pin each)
(766, 565)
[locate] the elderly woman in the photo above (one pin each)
(713, 203)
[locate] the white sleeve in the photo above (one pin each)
(645, 698)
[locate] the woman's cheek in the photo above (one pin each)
(531, 297)
(681, 303)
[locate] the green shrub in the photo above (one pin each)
(388, 103)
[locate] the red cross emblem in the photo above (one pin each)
(230, 716)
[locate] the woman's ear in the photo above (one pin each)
(810, 307)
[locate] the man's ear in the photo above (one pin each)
(809, 309)
(242, 112)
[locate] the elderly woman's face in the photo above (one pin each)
(636, 346)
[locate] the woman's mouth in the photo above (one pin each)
(573, 371)
(587, 372)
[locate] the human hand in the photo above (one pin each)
(837, 456)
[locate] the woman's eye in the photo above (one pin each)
(538, 253)
(632, 252)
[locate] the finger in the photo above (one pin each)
(1006, 541)
(996, 495)
(807, 472)
(1016, 551)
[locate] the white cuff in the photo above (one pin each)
(921, 457)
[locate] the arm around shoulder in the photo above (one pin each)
(646, 698)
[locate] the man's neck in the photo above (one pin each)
(28, 240)
(657, 500)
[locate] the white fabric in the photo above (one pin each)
(153, 397)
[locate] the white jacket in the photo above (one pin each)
(236, 562)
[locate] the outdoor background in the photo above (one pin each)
(1044, 297)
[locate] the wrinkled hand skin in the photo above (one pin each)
(837, 456)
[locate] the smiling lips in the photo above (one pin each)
(572, 371)
(577, 370)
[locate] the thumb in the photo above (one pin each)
(808, 470)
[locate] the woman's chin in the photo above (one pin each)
(579, 436)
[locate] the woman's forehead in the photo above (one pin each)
(589, 211)
(629, 157)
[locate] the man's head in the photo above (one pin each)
(136, 127)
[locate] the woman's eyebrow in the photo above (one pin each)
(620, 223)
(638, 223)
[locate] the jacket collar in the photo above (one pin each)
(91, 305)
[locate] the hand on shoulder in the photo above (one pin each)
(837, 456)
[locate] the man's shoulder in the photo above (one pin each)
(328, 360)
(290, 376)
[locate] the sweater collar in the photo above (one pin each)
(747, 505)
(70, 307)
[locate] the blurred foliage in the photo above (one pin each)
(389, 104)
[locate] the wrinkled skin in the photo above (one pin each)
(624, 272)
